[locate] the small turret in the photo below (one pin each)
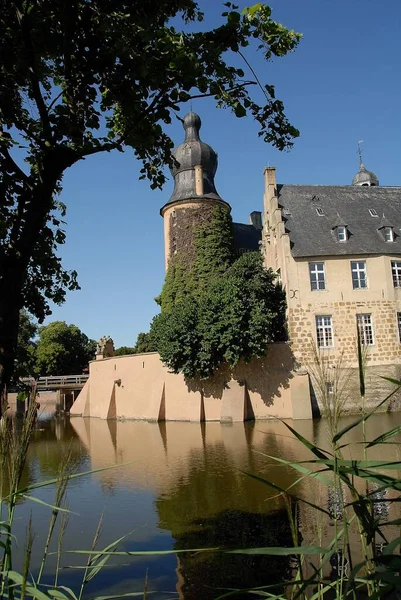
(364, 177)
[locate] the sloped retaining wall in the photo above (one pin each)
(141, 387)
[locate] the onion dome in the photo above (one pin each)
(365, 177)
(195, 165)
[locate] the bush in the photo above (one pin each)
(235, 317)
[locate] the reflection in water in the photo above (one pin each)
(184, 486)
(50, 442)
(201, 575)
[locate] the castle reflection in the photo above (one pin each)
(205, 499)
(185, 485)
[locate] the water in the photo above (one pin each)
(180, 486)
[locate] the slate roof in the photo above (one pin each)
(246, 237)
(314, 235)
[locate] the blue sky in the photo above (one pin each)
(341, 85)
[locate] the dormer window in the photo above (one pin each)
(388, 234)
(342, 234)
(373, 212)
(319, 211)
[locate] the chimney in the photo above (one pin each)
(270, 177)
(199, 180)
(270, 194)
(255, 219)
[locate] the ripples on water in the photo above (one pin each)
(183, 488)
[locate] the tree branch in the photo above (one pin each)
(237, 87)
(13, 165)
(107, 147)
(53, 102)
(35, 87)
(252, 70)
(8, 159)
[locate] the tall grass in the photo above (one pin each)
(357, 489)
(15, 437)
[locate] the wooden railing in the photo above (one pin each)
(58, 381)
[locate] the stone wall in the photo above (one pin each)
(385, 350)
(141, 387)
(180, 222)
(339, 365)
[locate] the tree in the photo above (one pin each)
(237, 315)
(144, 343)
(25, 357)
(63, 349)
(124, 350)
(78, 78)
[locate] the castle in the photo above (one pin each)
(337, 251)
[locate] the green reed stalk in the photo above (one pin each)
(60, 541)
(15, 453)
(27, 559)
(87, 572)
(65, 470)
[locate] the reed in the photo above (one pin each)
(356, 488)
(14, 444)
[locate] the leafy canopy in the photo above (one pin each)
(144, 343)
(235, 317)
(63, 350)
(78, 78)
(25, 358)
(81, 77)
(125, 350)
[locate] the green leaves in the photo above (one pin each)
(101, 78)
(214, 313)
(381, 439)
(63, 349)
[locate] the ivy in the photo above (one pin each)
(234, 317)
(214, 253)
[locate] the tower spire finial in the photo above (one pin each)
(364, 177)
(360, 153)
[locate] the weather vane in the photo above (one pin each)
(360, 151)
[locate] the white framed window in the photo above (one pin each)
(342, 233)
(365, 327)
(396, 272)
(317, 276)
(388, 234)
(359, 276)
(399, 326)
(324, 331)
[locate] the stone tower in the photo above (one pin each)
(194, 196)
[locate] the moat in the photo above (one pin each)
(179, 486)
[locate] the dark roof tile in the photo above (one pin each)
(312, 235)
